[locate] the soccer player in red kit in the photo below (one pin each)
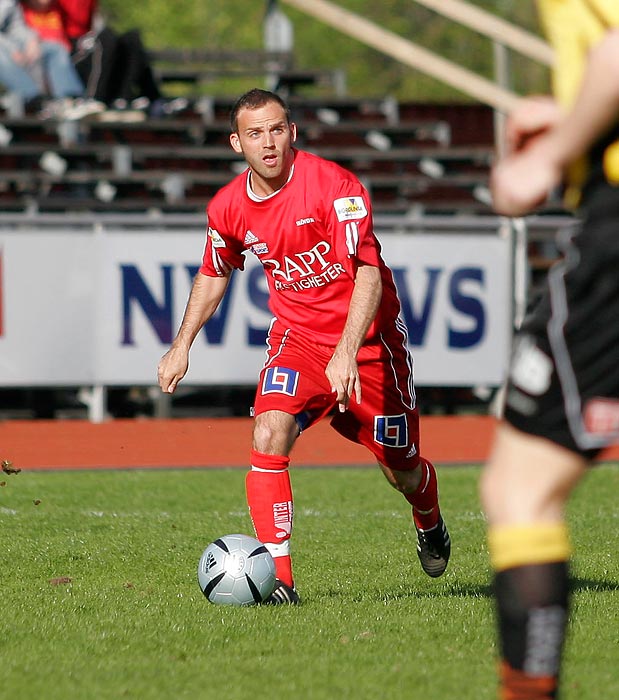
(336, 339)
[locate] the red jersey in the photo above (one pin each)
(47, 24)
(309, 236)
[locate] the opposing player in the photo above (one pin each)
(562, 398)
(336, 339)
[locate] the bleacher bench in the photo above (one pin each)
(198, 67)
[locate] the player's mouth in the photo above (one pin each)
(270, 159)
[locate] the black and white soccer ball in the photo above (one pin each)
(236, 570)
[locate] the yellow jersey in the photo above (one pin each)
(573, 27)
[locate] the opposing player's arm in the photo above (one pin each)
(206, 294)
(342, 370)
(523, 180)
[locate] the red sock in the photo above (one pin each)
(426, 510)
(269, 496)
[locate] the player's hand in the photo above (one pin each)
(172, 368)
(523, 181)
(532, 117)
(343, 374)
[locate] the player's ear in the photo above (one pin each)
(293, 132)
(235, 142)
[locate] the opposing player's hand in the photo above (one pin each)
(172, 368)
(343, 374)
(531, 117)
(523, 181)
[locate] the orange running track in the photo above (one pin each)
(218, 442)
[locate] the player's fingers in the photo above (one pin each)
(167, 381)
(357, 388)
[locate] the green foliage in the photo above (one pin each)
(237, 24)
(100, 596)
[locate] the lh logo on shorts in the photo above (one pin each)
(280, 380)
(391, 431)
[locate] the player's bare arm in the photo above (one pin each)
(342, 370)
(523, 181)
(206, 294)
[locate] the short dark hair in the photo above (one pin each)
(254, 99)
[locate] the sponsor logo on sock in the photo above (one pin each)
(282, 518)
(545, 630)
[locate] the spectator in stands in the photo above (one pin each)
(114, 66)
(32, 66)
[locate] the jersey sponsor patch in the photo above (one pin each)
(259, 249)
(280, 380)
(349, 208)
(391, 431)
(216, 239)
(601, 416)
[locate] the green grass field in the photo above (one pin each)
(100, 596)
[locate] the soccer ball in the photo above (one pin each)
(236, 570)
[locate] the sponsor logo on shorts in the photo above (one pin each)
(531, 368)
(349, 208)
(391, 431)
(601, 416)
(280, 380)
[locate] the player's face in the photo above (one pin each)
(265, 139)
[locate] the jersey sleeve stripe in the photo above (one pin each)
(352, 237)
(221, 267)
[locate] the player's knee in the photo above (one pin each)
(403, 481)
(274, 432)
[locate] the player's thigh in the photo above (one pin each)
(386, 421)
(528, 478)
(293, 382)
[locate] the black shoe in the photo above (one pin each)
(433, 549)
(283, 595)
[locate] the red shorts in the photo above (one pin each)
(386, 421)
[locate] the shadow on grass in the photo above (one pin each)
(414, 591)
(582, 585)
(456, 589)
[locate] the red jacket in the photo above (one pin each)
(77, 16)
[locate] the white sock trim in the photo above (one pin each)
(268, 471)
(279, 549)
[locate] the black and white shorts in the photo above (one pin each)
(563, 383)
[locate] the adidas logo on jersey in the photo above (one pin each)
(250, 238)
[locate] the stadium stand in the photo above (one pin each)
(416, 159)
(409, 156)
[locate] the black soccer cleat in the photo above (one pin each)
(433, 549)
(283, 595)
